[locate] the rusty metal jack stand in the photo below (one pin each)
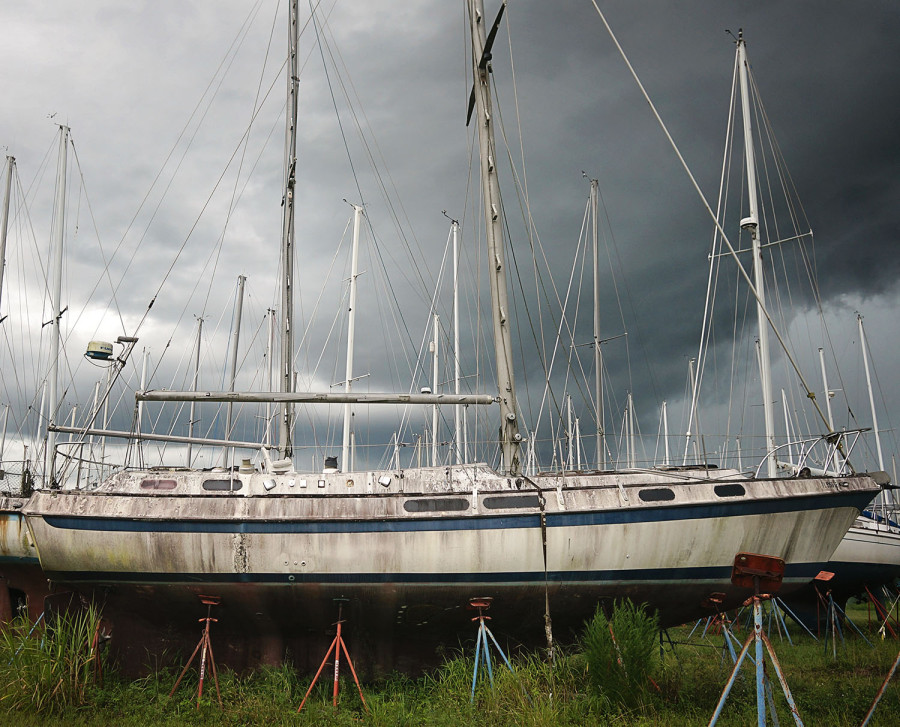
(758, 572)
(880, 693)
(204, 646)
(336, 645)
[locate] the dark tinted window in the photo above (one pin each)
(223, 485)
(157, 484)
(729, 490)
(656, 494)
(512, 501)
(436, 504)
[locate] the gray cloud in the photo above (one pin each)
(128, 78)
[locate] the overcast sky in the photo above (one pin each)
(159, 95)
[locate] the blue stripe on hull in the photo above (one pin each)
(14, 560)
(670, 513)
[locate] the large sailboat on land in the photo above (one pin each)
(410, 546)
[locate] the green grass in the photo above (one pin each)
(688, 682)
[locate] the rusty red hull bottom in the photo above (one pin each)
(22, 585)
(386, 628)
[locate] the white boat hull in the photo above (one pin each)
(412, 553)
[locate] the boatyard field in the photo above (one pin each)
(832, 683)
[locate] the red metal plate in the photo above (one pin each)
(748, 567)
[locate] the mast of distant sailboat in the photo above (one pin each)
(59, 228)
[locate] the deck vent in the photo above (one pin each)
(729, 490)
(436, 504)
(657, 494)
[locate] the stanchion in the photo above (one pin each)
(336, 646)
(758, 572)
(204, 647)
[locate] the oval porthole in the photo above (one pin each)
(731, 490)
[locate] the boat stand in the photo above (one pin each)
(204, 647)
(336, 645)
(482, 650)
(883, 614)
(834, 614)
(758, 572)
(794, 616)
(881, 692)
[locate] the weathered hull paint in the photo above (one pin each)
(21, 576)
(410, 554)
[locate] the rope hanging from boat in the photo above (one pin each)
(548, 623)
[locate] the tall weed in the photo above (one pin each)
(622, 653)
(48, 667)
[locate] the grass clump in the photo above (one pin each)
(622, 653)
(48, 666)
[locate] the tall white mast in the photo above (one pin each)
(598, 356)
(631, 442)
(3, 436)
(751, 224)
(346, 462)
(195, 384)
(864, 344)
(285, 445)
(109, 372)
(787, 426)
(59, 229)
(458, 434)
(270, 372)
(140, 412)
(664, 415)
(235, 341)
(435, 363)
(510, 438)
(10, 167)
(827, 392)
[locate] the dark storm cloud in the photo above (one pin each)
(127, 79)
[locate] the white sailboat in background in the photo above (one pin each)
(868, 557)
(410, 546)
